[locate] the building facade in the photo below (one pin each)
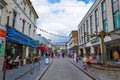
(103, 15)
(21, 28)
(2, 31)
(73, 41)
(42, 47)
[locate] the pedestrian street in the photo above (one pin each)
(62, 69)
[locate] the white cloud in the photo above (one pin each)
(60, 18)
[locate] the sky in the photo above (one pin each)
(60, 17)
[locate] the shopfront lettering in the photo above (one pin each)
(18, 37)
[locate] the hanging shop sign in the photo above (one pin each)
(16, 36)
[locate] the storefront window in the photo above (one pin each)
(13, 49)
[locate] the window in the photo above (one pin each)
(33, 33)
(29, 29)
(34, 20)
(14, 18)
(0, 13)
(116, 18)
(17, 1)
(104, 16)
(116, 14)
(23, 28)
(7, 20)
(96, 20)
(91, 25)
(84, 32)
(30, 14)
(87, 28)
(105, 26)
(81, 34)
(24, 7)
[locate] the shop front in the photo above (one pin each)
(2, 45)
(112, 46)
(96, 47)
(17, 44)
(43, 49)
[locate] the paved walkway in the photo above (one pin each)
(25, 72)
(101, 73)
(61, 69)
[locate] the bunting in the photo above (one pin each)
(46, 31)
(52, 33)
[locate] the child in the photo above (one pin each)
(85, 62)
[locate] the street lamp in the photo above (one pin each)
(102, 35)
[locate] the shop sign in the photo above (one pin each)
(95, 41)
(2, 33)
(21, 38)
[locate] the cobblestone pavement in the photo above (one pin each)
(105, 74)
(61, 69)
(101, 73)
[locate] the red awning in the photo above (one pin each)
(42, 47)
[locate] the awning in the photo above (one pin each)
(42, 47)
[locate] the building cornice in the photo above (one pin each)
(32, 8)
(3, 3)
(24, 13)
(95, 4)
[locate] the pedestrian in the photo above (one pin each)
(85, 62)
(17, 61)
(89, 60)
(9, 62)
(75, 56)
(116, 56)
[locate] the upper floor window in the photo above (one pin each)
(116, 14)
(87, 28)
(33, 32)
(30, 14)
(81, 34)
(34, 20)
(18, 1)
(23, 26)
(24, 8)
(104, 16)
(14, 18)
(91, 25)
(29, 29)
(84, 32)
(96, 20)
(7, 20)
(0, 13)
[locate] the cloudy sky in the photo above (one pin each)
(60, 17)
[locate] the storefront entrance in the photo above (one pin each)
(13, 49)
